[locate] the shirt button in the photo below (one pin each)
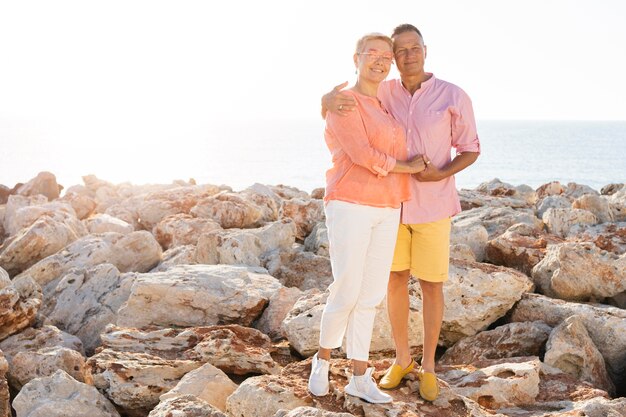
(409, 130)
(410, 112)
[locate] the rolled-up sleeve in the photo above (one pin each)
(464, 134)
(350, 134)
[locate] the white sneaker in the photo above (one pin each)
(365, 388)
(318, 381)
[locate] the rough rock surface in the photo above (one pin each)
(29, 365)
(85, 301)
(195, 295)
(476, 295)
(520, 247)
(606, 326)
(60, 395)
(559, 221)
(509, 340)
(232, 348)
(298, 268)
(102, 223)
(185, 406)
(137, 251)
(229, 210)
(495, 220)
(580, 271)
(134, 381)
(19, 303)
(245, 246)
(182, 229)
(317, 241)
(207, 383)
(570, 349)
(279, 306)
(306, 213)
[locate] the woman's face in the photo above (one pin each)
(374, 61)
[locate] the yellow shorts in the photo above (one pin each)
(424, 249)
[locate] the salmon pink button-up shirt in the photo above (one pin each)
(436, 118)
(365, 146)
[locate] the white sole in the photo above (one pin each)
(348, 390)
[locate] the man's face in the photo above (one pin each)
(410, 53)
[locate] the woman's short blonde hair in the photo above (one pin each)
(372, 36)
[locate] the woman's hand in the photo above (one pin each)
(337, 102)
(417, 164)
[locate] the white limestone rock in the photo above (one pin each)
(196, 295)
(570, 349)
(245, 246)
(580, 271)
(560, 221)
(208, 383)
(60, 395)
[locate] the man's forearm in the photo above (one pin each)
(459, 163)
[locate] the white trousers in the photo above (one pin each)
(362, 241)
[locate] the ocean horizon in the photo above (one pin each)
(294, 153)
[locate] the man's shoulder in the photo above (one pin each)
(449, 87)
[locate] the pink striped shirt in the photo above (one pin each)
(436, 118)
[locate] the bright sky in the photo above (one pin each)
(149, 68)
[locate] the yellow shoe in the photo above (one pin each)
(394, 375)
(429, 388)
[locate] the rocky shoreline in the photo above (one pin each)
(190, 299)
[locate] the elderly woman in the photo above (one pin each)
(365, 187)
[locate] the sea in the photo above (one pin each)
(294, 153)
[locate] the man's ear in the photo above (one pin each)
(425, 51)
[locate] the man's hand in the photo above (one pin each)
(431, 173)
(338, 102)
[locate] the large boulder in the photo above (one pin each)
(506, 341)
(495, 220)
(305, 213)
(45, 183)
(520, 247)
(19, 303)
(155, 206)
(195, 295)
(552, 201)
(34, 339)
(232, 348)
(134, 381)
(498, 385)
(86, 300)
(245, 246)
(137, 252)
(473, 235)
(317, 240)
(185, 406)
(580, 271)
(559, 221)
(103, 223)
(610, 237)
(606, 326)
(13, 205)
(207, 383)
(182, 229)
(298, 268)
(598, 205)
(29, 365)
(280, 304)
(570, 349)
(60, 395)
(229, 210)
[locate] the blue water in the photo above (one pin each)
(293, 153)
